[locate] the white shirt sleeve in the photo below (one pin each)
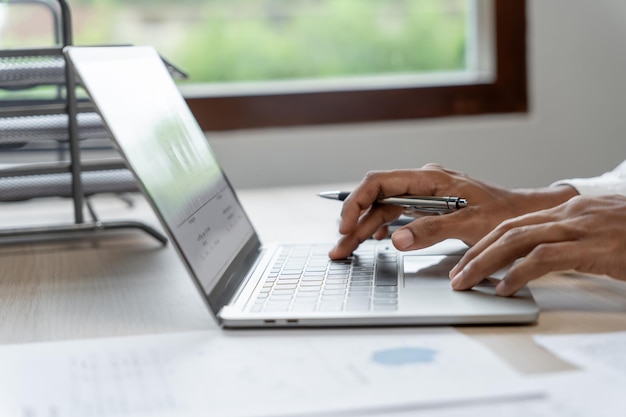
(613, 182)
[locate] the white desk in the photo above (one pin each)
(126, 283)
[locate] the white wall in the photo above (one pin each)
(576, 125)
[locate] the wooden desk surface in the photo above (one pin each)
(126, 283)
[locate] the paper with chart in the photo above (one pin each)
(594, 390)
(251, 373)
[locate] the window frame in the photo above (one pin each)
(507, 93)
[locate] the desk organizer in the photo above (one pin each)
(41, 114)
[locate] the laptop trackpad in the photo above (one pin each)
(432, 271)
(428, 271)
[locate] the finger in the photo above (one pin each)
(381, 233)
(352, 209)
(541, 260)
(497, 233)
(513, 244)
(367, 226)
(427, 230)
(378, 185)
(363, 197)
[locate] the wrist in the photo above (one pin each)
(530, 200)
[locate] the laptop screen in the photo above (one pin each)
(170, 156)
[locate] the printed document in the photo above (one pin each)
(256, 373)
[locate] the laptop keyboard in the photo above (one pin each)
(304, 279)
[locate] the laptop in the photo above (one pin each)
(243, 283)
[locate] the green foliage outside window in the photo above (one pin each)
(251, 40)
(346, 37)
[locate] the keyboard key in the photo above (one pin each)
(309, 273)
(334, 284)
(380, 302)
(391, 289)
(286, 284)
(316, 267)
(333, 296)
(290, 277)
(360, 294)
(385, 295)
(334, 291)
(362, 305)
(336, 281)
(385, 307)
(335, 267)
(343, 275)
(276, 309)
(280, 298)
(387, 274)
(283, 292)
(330, 306)
(312, 288)
(306, 295)
(363, 279)
(355, 284)
(303, 308)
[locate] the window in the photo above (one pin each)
(259, 63)
(492, 81)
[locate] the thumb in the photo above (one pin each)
(426, 231)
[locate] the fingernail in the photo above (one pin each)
(502, 288)
(454, 271)
(456, 279)
(333, 252)
(402, 239)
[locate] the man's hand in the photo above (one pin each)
(488, 206)
(586, 234)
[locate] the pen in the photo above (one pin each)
(417, 203)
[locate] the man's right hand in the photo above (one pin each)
(488, 206)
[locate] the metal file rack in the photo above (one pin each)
(61, 125)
